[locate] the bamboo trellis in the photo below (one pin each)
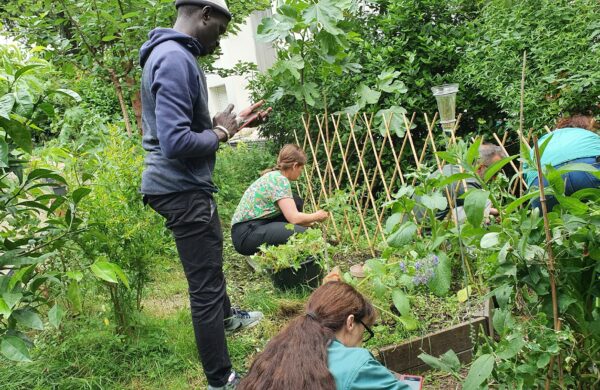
(351, 137)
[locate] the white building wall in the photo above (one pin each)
(242, 47)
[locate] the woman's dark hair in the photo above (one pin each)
(289, 155)
(297, 357)
(580, 121)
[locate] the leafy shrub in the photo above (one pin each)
(563, 57)
(38, 216)
(122, 230)
(297, 250)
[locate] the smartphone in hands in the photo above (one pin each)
(415, 382)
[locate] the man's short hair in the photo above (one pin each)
(488, 152)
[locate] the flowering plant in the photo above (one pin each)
(422, 270)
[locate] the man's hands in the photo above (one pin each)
(233, 123)
(250, 117)
(226, 119)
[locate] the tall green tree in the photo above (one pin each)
(101, 38)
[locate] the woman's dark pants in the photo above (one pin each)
(248, 236)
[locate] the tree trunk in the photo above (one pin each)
(136, 103)
(119, 90)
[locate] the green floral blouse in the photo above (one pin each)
(260, 199)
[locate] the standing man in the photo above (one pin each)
(181, 142)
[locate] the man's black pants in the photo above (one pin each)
(194, 221)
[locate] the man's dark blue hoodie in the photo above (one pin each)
(178, 136)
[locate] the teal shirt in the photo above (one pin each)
(357, 369)
(566, 144)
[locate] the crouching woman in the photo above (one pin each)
(268, 205)
(321, 349)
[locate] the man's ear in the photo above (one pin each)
(207, 12)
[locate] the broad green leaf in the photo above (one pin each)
(5, 310)
(29, 319)
(512, 206)
(401, 302)
(42, 173)
(19, 133)
(435, 201)
(55, 315)
(447, 362)
(555, 180)
(109, 38)
(104, 270)
(475, 203)
(326, 14)
(367, 96)
(511, 347)
(403, 235)
(15, 349)
(442, 278)
(75, 275)
(375, 267)
(3, 154)
(473, 152)
(572, 205)
(25, 69)
(7, 103)
(409, 322)
(67, 92)
(452, 178)
(12, 299)
(120, 274)
(394, 118)
(392, 221)
(80, 193)
(490, 240)
(479, 372)
(496, 167)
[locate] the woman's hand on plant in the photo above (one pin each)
(321, 215)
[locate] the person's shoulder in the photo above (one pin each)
(354, 355)
(171, 52)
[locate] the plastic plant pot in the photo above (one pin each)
(445, 95)
(309, 275)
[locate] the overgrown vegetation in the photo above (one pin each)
(91, 289)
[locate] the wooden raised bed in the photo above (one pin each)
(403, 358)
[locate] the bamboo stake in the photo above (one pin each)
(397, 168)
(369, 123)
(316, 163)
(335, 181)
(308, 183)
(504, 150)
(345, 165)
(549, 251)
(370, 194)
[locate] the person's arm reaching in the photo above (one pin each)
(292, 215)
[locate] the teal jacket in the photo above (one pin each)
(566, 144)
(357, 369)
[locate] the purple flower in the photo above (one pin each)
(418, 265)
(403, 266)
(436, 260)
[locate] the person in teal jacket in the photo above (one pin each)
(573, 141)
(320, 350)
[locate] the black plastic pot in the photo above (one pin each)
(309, 275)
